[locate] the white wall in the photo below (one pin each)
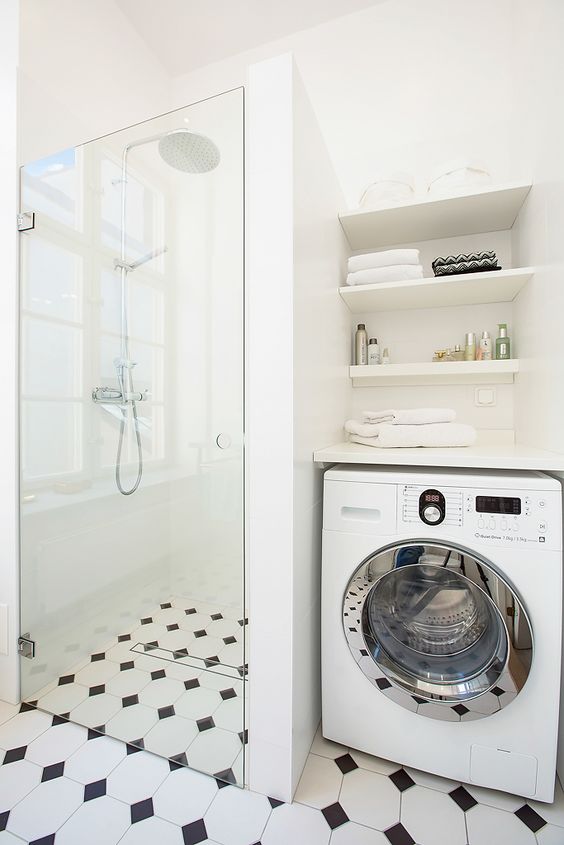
(9, 620)
(298, 393)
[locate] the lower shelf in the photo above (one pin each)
(435, 372)
(483, 457)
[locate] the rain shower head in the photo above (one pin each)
(188, 151)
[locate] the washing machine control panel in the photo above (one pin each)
(497, 517)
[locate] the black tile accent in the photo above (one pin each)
(150, 646)
(123, 638)
(97, 690)
(460, 709)
(14, 754)
(95, 790)
(462, 797)
(26, 706)
(243, 670)
(398, 835)
(173, 627)
(130, 700)
(418, 700)
(52, 772)
(100, 728)
(142, 810)
(402, 780)
(66, 679)
(165, 712)
(346, 763)
(92, 734)
(94, 658)
(45, 840)
(212, 660)
(59, 720)
(225, 778)
(146, 620)
(192, 683)
(383, 683)
(228, 693)
(65, 716)
(364, 652)
(200, 633)
(204, 724)
(497, 691)
(134, 746)
(334, 815)
(229, 640)
(216, 616)
(179, 653)
(274, 802)
(129, 664)
(178, 761)
(166, 605)
(530, 818)
(157, 674)
(190, 611)
(244, 736)
(194, 832)
(4, 819)
(243, 622)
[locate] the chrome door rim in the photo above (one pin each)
(492, 689)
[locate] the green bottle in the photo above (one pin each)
(502, 344)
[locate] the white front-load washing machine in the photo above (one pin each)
(442, 621)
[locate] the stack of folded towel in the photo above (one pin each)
(391, 265)
(434, 427)
(472, 262)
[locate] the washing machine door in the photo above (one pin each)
(432, 624)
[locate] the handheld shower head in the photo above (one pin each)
(188, 151)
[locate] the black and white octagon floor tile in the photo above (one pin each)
(61, 784)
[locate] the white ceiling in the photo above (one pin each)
(187, 34)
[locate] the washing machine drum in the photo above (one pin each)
(435, 624)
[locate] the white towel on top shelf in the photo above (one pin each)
(436, 435)
(377, 275)
(411, 416)
(386, 258)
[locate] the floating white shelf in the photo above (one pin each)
(487, 210)
(437, 292)
(483, 457)
(435, 372)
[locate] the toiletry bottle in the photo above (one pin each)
(486, 347)
(502, 344)
(470, 347)
(448, 355)
(385, 356)
(373, 351)
(458, 354)
(360, 345)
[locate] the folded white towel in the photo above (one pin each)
(411, 416)
(386, 258)
(436, 435)
(377, 275)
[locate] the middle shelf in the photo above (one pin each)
(435, 372)
(437, 292)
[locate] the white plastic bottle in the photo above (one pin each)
(360, 345)
(373, 352)
(486, 347)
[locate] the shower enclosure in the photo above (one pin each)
(132, 571)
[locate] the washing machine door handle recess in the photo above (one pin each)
(433, 624)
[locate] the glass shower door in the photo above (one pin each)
(132, 581)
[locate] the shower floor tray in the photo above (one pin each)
(173, 684)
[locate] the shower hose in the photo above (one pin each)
(121, 488)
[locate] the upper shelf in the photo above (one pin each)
(437, 292)
(487, 210)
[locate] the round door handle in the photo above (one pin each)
(223, 441)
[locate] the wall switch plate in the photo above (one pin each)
(485, 397)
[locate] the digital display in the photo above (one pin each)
(432, 497)
(498, 504)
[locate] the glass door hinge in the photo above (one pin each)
(26, 221)
(26, 646)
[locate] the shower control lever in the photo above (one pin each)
(114, 396)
